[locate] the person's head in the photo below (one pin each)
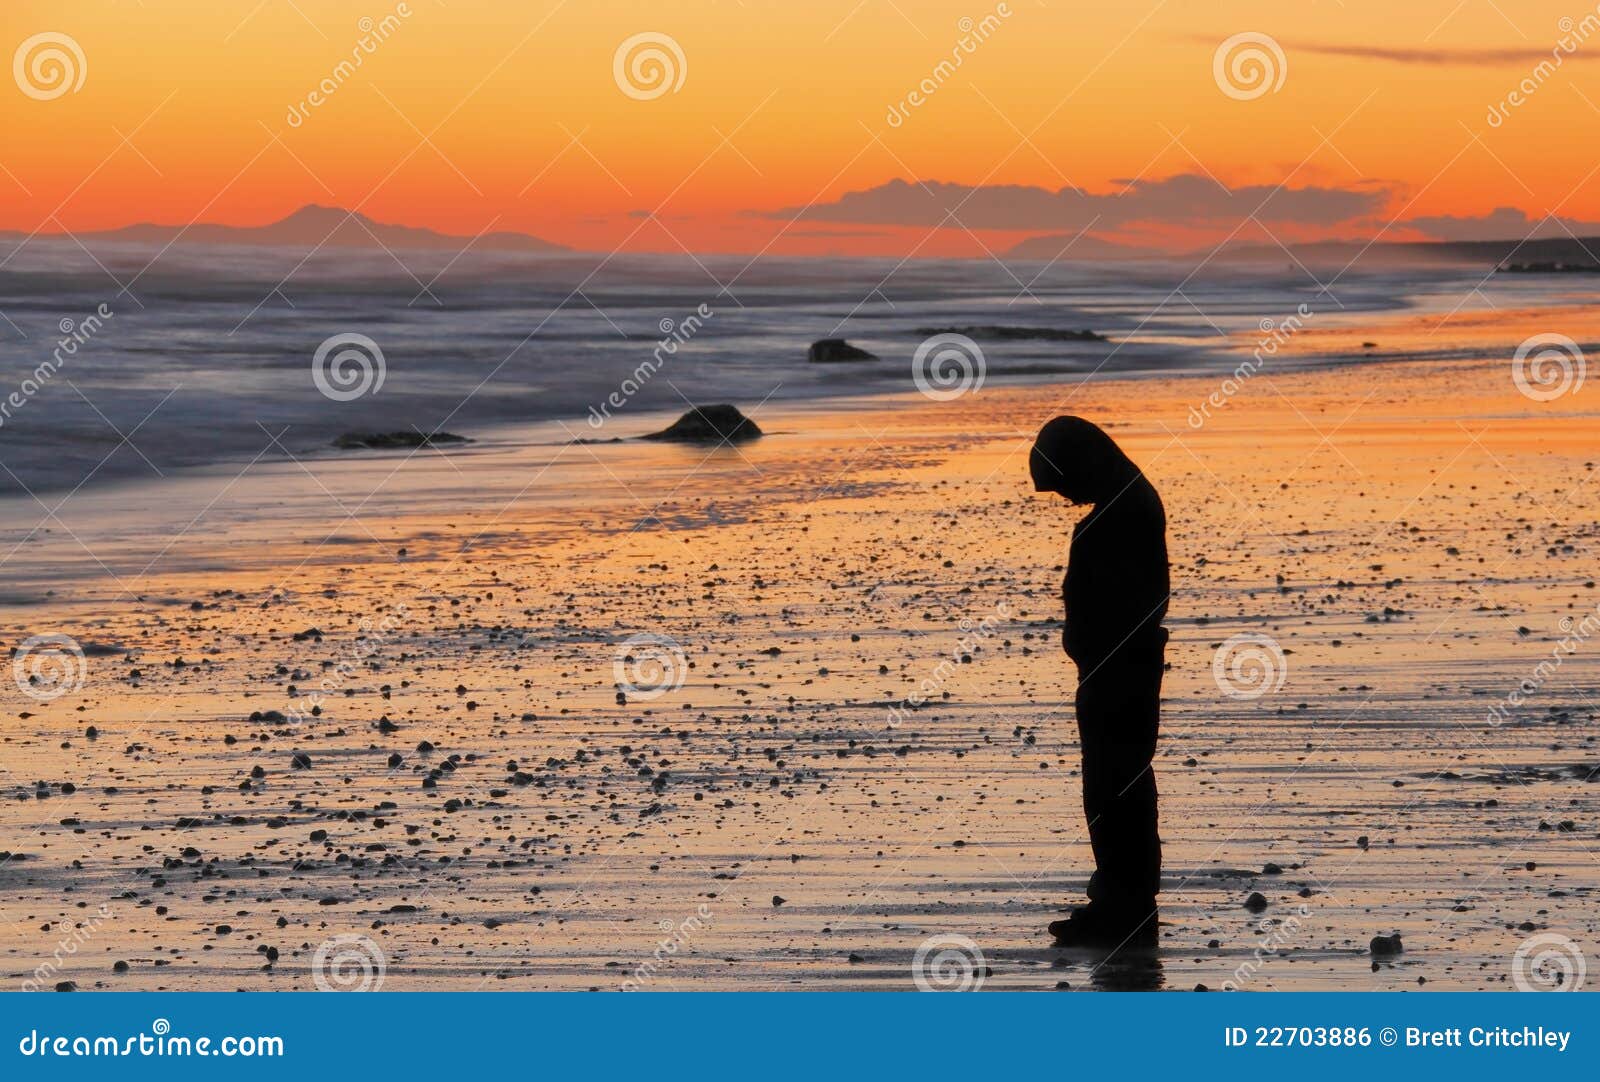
(1076, 459)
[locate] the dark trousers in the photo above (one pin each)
(1119, 706)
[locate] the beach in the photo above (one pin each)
(531, 713)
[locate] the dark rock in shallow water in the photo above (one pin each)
(709, 424)
(1041, 334)
(384, 441)
(1385, 945)
(836, 351)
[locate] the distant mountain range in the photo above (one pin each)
(329, 227)
(1488, 254)
(1567, 252)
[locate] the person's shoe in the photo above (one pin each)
(1100, 926)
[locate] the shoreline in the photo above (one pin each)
(543, 432)
(222, 387)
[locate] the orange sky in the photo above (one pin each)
(1079, 94)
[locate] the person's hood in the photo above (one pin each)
(1077, 459)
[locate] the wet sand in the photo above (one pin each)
(475, 806)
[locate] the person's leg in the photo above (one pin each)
(1092, 742)
(1118, 708)
(1126, 841)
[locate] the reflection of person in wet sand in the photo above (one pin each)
(1116, 597)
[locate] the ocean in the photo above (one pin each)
(130, 361)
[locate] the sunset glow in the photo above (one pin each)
(479, 114)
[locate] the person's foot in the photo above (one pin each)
(1097, 925)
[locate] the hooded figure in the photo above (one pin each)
(1116, 597)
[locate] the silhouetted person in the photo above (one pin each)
(1116, 597)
